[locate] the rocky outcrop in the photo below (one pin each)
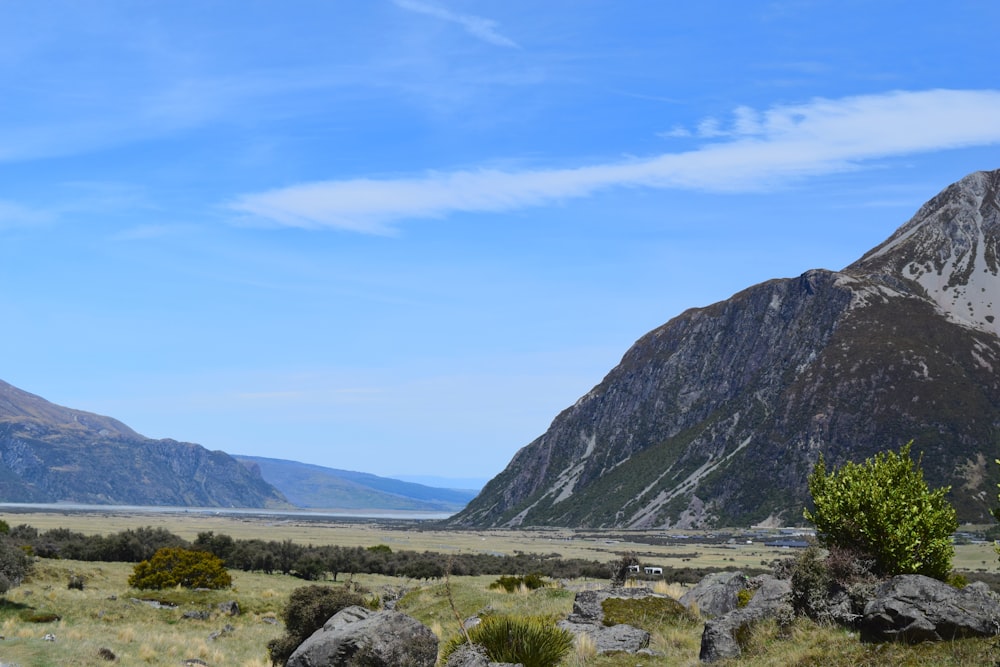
(49, 453)
(588, 619)
(723, 635)
(718, 416)
(716, 594)
(356, 635)
(913, 608)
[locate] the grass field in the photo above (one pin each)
(109, 615)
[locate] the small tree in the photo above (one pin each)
(15, 565)
(173, 566)
(883, 509)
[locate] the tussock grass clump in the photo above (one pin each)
(671, 588)
(531, 641)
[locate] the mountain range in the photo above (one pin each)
(50, 453)
(718, 416)
(312, 486)
(53, 454)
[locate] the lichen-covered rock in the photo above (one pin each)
(588, 618)
(716, 594)
(367, 637)
(722, 636)
(913, 608)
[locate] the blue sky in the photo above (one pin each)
(399, 236)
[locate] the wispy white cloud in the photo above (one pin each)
(477, 26)
(757, 150)
(13, 214)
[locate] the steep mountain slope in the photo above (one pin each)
(49, 453)
(717, 417)
(307, 485)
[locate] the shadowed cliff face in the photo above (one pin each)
(49, 453)
(718, 416)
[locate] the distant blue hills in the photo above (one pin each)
(317, 487)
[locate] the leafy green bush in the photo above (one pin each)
(533, 642)
(173, 566)
(883, 508)
(307, 610)
(743, 596)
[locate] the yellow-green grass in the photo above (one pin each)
(103, 615)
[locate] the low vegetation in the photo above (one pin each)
(530, 641)
(173, 566)
(110, 617)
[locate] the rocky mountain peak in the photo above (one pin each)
(949, 252)
(717, 416)
(21, 407)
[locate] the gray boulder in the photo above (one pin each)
(361, 636)
(913, 608)
(474, 655)
(588, 619)
(722, 635)
(715, 594)
(230, 608)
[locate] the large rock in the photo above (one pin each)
(913, 608)
(716, 594)
(385, 637)
(588, 619)
(722, 636)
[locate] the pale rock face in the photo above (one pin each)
(717, 416)
(950, 249)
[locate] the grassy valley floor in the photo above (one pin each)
(107, 617)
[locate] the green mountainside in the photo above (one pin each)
(314, 486)
(717, 417)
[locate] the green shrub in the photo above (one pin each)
(883, 508)
(743, 597)
(533, 642)
(15, 564)
(76, 582)
(173, 566)
(307, 610)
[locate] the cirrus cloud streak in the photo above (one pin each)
(757, 150)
